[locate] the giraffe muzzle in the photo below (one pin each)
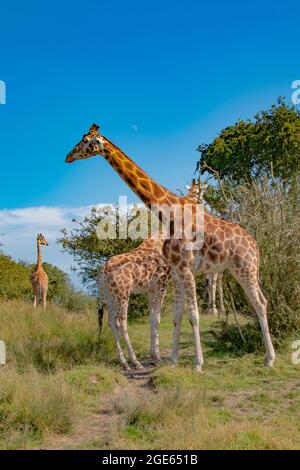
(69, 159)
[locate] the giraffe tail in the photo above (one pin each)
(100, 318)
(101, 302)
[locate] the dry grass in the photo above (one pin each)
(61, 389)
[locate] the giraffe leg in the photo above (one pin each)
(212, 287)
(178, 313)
(123, 328)
(35, 301)
(112, 321)
(251, 288)
(155, 305)
(44, 298)
(221, 310)
(191, 298)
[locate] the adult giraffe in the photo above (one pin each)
(214, 280)
(142, 270)
(225, 245)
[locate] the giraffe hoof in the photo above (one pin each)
(156, 359)
(138, 366)
(212, 311)
(269, 362)
(125, 367)
(198, 368)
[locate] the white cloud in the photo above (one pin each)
(19, 227)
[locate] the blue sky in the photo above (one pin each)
(160, 77)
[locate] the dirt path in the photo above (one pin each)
(96, 427)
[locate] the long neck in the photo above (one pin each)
(39, 255)
(144, 187)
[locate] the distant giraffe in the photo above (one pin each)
(39, 278)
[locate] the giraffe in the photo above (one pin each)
(214, 285)
(225, 245)
(142, 270)
(39, 278)
(213, 280)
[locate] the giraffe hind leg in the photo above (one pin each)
(250, 285)
(212, 287)
(112, 321)
(123, 328)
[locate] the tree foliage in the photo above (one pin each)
(271, 215)
(88, 251)
(14, 278)
(267, 146)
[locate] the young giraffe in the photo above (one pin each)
(39, 278)
(225, 245)
(142, 270)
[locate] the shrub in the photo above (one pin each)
(271, 215)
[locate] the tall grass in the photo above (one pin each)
(47, 340)
(54, 372)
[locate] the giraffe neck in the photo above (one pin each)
(39, 256)
(143, 186)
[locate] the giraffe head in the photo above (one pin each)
(42, 240)
(91, 144)
(195, 191)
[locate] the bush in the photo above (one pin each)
(270, 214)
(14, 278)
(15, 284)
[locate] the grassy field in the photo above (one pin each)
(62, 389)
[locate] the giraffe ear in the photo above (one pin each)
(94, 129)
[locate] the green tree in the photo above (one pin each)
(267, 146)
(88, 251)
(15, 284)
(14, 278)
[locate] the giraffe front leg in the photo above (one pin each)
(35, 301)
(221, 310)
(191, 298)
(177, 319)
(212, 287)
(155, 307)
